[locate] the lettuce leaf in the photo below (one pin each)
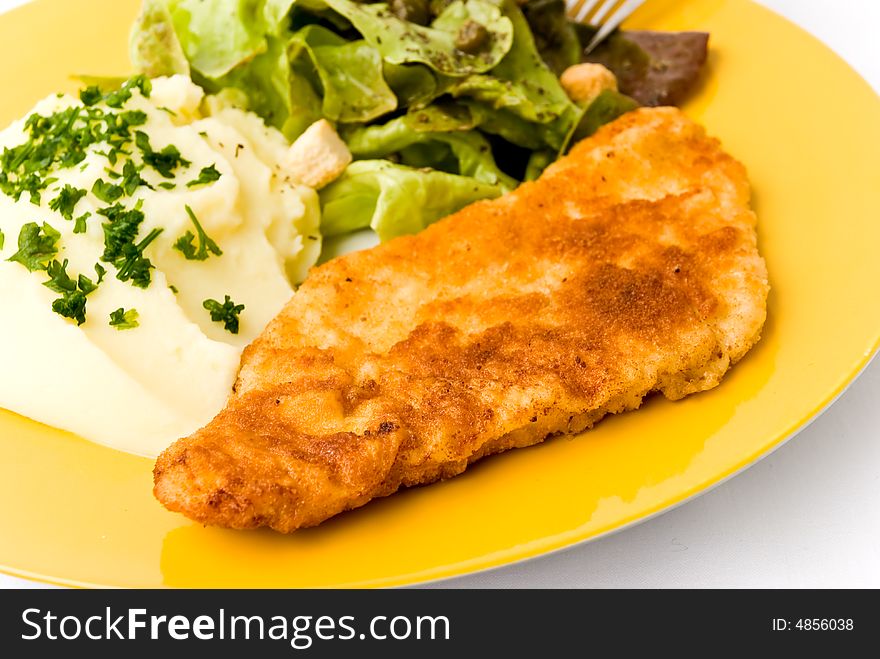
(216, 37)
(436, 137)
(444, 119)
(347, 74)
(521, 87)
(322, 69)
(395, 200)
(401, 42)
(538, 162)
(606, 107)
(414, 85)
(284, 100)
(554, 135)
(555, 36)
(654, 68)
(239, 44)
(155, 49)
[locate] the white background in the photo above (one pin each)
(806, 516)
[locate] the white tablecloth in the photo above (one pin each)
(806, 516)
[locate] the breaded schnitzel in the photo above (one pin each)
(630, 266)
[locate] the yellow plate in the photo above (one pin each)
(807, 127)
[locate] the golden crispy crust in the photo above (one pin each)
(631, 266)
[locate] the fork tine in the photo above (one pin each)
(586, 7)
(602, 12)
(613, 21)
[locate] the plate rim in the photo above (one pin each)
(548, 545)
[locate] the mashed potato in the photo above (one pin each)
(222, 226)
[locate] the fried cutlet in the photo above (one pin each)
(629, 267)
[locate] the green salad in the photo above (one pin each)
(440, 102)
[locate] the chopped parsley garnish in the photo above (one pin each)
(117, 131)
(173, 289)
(226, 313)
(116, 99)
(36, 245)
(59, 281)
(66, 200)
(79, 224)
(131, 178)
(85, 284)
(72, 303)
(166, 185)
(184, 244)
(61, 140)
(106, 192)
(133, 265)
(120, 230)
(124, 320)
(206, 176)
(2, 240)
(120, 249)
(91, 95)
(130, 118)
(164, 161)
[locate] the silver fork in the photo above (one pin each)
(604, 14)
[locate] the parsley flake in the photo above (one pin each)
(185, 246)
(79, 224)
(206, 176)
(124, 320)
(36, 245)
(133, 265)
(226, 313)
(107, 192)
(120, 229)
(116, 99)
(72, 303)
(2, 240)
(71, 306)
(131, 118)
(67, 200)
(164, 161)
(85, 284)
(91, 95)
(59, 281)
(120, 232)
(131, 178)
